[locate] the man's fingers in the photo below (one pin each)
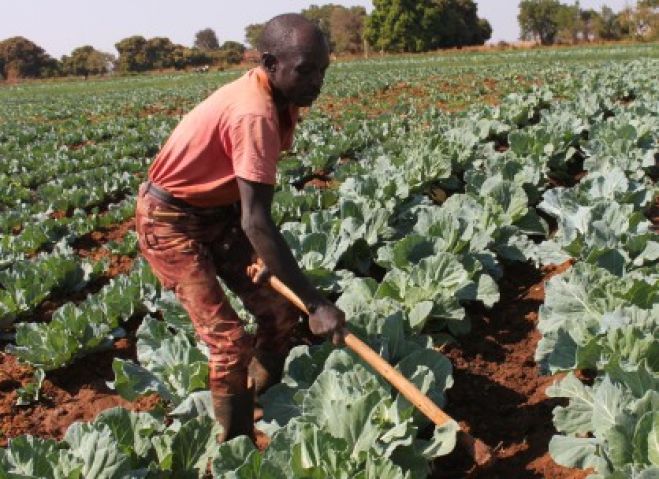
(258, 272)
(261, 275)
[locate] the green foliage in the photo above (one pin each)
(347, 29)
(591, 318)
(76, 330)
(380, 217)
(28, 283)
(231, 52)
(159, 52)
(21, 58)
(550, 21)
(320, 15)
(608, 25)
(253, 33)
(538, 20)
(136, 54)
(206, 40)
(342, 26)
(189, 57)
(29, 393)
(132, 54)
(118, 444)
(409, 26)
(86, 61)
(611, 427)
(169, 365)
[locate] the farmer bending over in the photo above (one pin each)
(205, 211)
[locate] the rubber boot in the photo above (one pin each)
(235, 413)
(266, 369)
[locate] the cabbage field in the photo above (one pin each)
(488, 221)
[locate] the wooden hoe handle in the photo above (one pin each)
(477, 449)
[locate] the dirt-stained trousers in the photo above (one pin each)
(187, 249)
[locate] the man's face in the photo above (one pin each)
(298, 75)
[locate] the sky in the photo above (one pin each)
(63, 25)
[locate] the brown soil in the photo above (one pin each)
(80, 145)
(75, 393)
(158, 109)
(383, 100)
(90, 247)
(322, 182)
(496, 361)
(58, 215)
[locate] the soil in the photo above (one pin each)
(495, 362)
(90, 247)
(158, 109)
(385, 99)
(76, 393)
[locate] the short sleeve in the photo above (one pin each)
(255, 148)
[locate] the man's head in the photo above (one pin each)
(295, 55)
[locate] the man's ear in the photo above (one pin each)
(269, 62)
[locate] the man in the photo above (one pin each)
(205, 211)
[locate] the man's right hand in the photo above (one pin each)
(326, 319)
(256, 200)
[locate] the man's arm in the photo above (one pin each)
(270, 246)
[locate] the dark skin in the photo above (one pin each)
(296, 78)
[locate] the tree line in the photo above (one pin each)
(22, 58)
(392, 26)
(395, 26)
(550, 22)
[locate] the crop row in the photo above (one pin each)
(424, 209)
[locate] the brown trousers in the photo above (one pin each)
(187, 249)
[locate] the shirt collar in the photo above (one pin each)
(262, 79)
(264, 82)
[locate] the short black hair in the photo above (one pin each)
(280, 32)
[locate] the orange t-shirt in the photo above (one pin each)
(235, 132)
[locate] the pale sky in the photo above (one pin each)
(59, 26)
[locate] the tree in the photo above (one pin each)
(343, 27)
(415, 26)
(183, 57)
(538, 19)
(132, 54)
(21, 58)
(159, 53)
(232, 52)
(253, 34)
(459, 25)
(86, 61)
(608, 25)
(396, 26)
(206, 40)
(484, 31)
(320, 15)
(588, 24)
(568, 21)
(347, 29)
(644, 20)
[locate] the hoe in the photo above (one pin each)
(480, 452)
